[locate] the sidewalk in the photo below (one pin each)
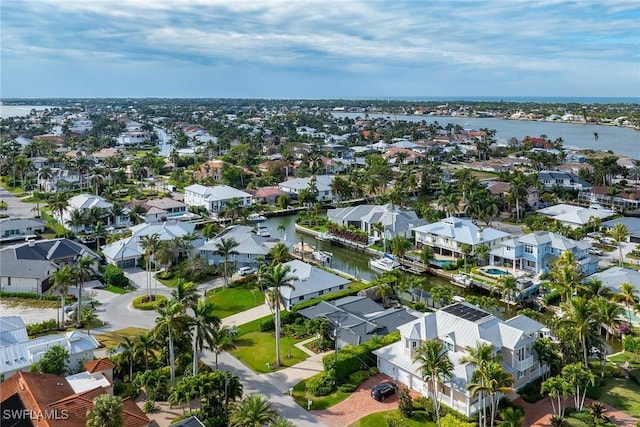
(289, 377)
(247, 316)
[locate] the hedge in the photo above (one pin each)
(143, 303)
(352, 290)
(553, 297)
(352, 358)
(631, 344)
(268, 325)
(40, 328)
(30, 295)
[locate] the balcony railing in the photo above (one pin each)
(524, 364)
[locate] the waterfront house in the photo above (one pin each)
(575, 216)
(28, 267)
(19, 352)
(19, 228)
(251, 250)
(163, 209)
(460, 326)
(215, 199)
(614, 277)
(632, 224)
(311, 282)
(267, 195)
(448, 236)
(535, 252)
(126, 253)
(321, 187)
(395, 221)
(357, 319)
(626, 200)
(501, 189)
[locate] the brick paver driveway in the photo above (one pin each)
(359, 404)
(539, 414)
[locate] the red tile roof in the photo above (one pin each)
(98, 365)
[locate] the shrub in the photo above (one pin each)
(352, 290)
(631, 344)
(267, 325)
(113, 276)
(42, 327)
(553, 297)
(530, 393)
(420, 306)
(593, 392)
(347, 388)
(405, 403)
(585, 417)
(289, 317)
(359, 377)
(125, 390)
(146, 302)
(149, 407)
(28, 295)
(634, 375)
(322, 384)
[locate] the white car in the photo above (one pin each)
(245, 271)
(85, 303)
(595, 251)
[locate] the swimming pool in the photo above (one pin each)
(631, 315)
(495, 272)
(441, 262)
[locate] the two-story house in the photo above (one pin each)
(321, 187)
(565, 180)
(83, 203)
(251, 250)
(460, 326)
(216, 199)
(535, 251)
(448, 236)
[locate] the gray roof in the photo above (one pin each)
(360, 317)
(248, 241)
(393, 219)
(86, 201)
(462, 230)
(632, 224)
(323, 183)
(310, 280)
(218, 192)
(20, 224)
(616, 276)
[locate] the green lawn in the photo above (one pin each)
(256, 349)
(115, 289)
(623, 394)
(112, 339)
(230, 301)
(33, 303)
(323, 402)
(621, 358)
(418, 419)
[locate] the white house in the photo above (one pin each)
(395, 221)
(215, 199)
(250, 251)
(459, 326)
(575, 216)
(19, 228)
(18, 352)
(84, 203)
(447, 236)
(322, 186)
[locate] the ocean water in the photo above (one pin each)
(523, 99)
(20, 110)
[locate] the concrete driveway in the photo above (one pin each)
(17, 208)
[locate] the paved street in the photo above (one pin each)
(16, 208)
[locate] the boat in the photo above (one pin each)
(461, 280)
(263, 232)
(322, 256)
(384, 263)
(256, 217)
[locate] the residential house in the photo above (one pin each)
(59, 179)
(535, 252)
(395, 221)
(18, 352)
(565, 180)
(575, 216)
(164, 209)
(215, 199)
(251, 250)
(357, 319)
(28, 267)
(321, 188)
(632, 224)
(211, 169)
(20, 228)
(614, 277)
(47, 400)
(458, 327)
(267, 195)
(84, 203)
(311, 282)
(448, 236)
(622, 200)
(501, 189)
(127, 252)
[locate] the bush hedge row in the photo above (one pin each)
(40, 328)
(143, 303)
(355, 358)
(353, 289)
(29, 295)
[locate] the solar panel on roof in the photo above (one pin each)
(466, 312)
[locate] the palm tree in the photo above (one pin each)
(608, 312)
(508, 287)
(128, 352)
(82, 272)
(580, 315)
(620, 233)
(275, 278)
(186, 293)
(166, 254)
(426, 256)
(224, 249)
(106, 412)
(149, 244)
(480, 356)
(252, 411)
(435, 367)
(76, 219)
(222, 339)
(205, 323)
(145, 344)
(171, 323)
(627, 295)
(512, 417)
(59, 203)
(567, 274)
(279, 253)
(498, 381)
(517, 194)
(62, 279)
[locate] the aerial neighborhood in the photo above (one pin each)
(322, 263)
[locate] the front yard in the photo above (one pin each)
(623, 394)
(229, 301)
(418, 419)
(114, 338)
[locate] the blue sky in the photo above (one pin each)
(319, 49)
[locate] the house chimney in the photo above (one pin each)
(480, 234)
(32, 243)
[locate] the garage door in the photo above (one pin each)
(385, 367)
(418, 384)
(404, 377)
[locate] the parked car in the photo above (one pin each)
(609, 241)
(383, 390)
(245, 271)
(85, 303)
(595, 251)
(595, 235)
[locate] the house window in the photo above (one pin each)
(301, 298)
(528, 249)
(509, 248)
(341, 286)
(320, 292)
(448, 346)
(414, 344)
(521, 374)
(522, 354)
(406, 343)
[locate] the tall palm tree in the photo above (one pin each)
(76, 219)
(580, 315)
(166, 254)
(567, 274)
(187, 241)
(435, 367)
(205, 323)
(517, 194)
(508, 288)
(145, 345)
(275, 278)
(222, 339)
(150, 244)
(608, 312)
(252, 411)
(186, 293)
(225, 248)
(426, 256)
(128, 352)
(480, 356)
(62, 279)
(82, 271)
(628, 296)
(279, 253)
(170, 323)
(620, 233)
(498, 382)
